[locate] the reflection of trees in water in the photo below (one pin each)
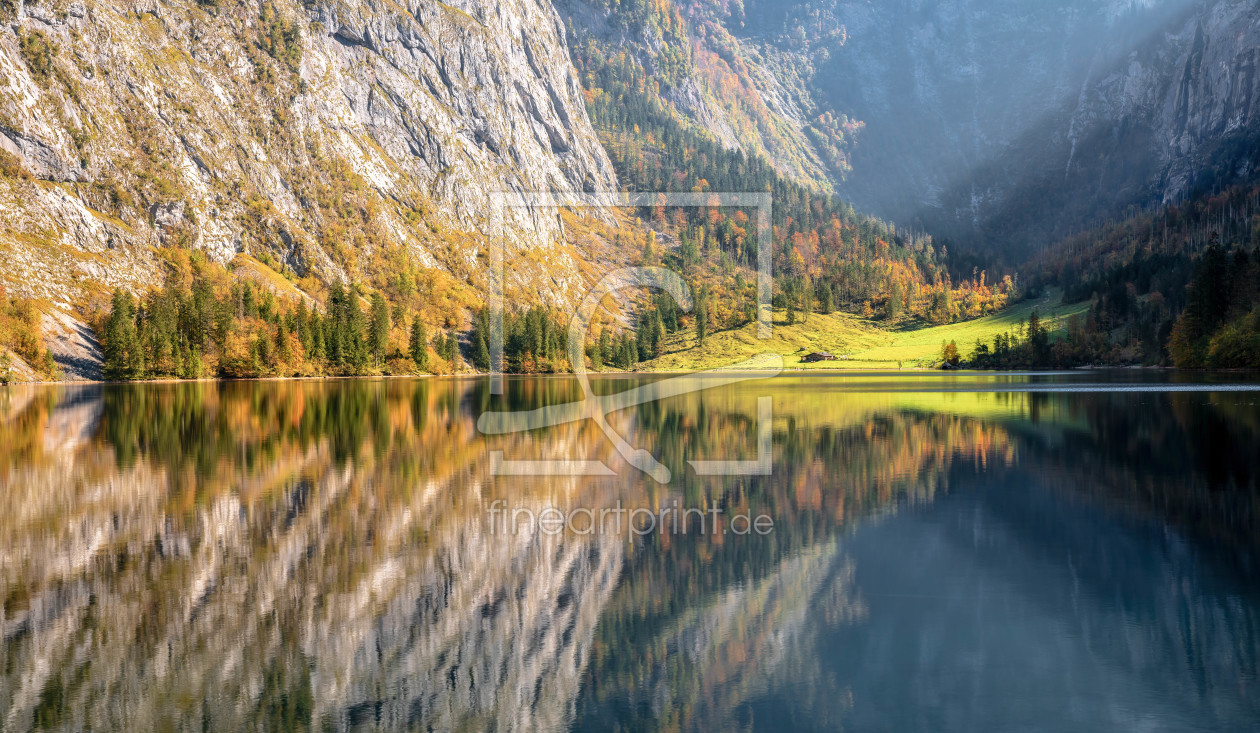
(1185, 458)
(701, 625)
(264, 554)
(864, 455)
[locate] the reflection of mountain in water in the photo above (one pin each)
(289, 555)
(1004, 607)
(701, 666)
(1019, 630)
(317, 590)
(701, 627)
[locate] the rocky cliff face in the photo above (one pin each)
(320, 133)
(1180, 111)
(1198, 91)
(1005, 123)
(1000, 123)
(942, 85)
(748, 90)
(1174, 114)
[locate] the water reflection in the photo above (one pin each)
(949, 553)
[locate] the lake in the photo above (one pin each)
(862, 552)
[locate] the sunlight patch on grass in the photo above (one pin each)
(857, 343)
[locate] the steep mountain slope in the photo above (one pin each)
(748, 92)
(1008, 124)
(1179, 115)
(323, 136)
(942, 85)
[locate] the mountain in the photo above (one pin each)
(1098, 146)
(1001, 124)
(1009, 124)
(316, 136)
(1176, 116)
(321, 135)
(916, 151)
(720, 79)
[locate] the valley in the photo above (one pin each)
(283, 189)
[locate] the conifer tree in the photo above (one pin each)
(378, 331)
(481, 352)
(658, 335)
(356, 327)
(605, 347)
(702, 319)
(418, 345)
(123, 355)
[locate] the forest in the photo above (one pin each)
(1162, 289)
(1179, 286)
(825, 254)
(1152, 298)
(1176, 286)
(204, 322)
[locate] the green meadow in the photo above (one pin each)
(857, 343)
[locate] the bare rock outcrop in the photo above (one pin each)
(322, 133)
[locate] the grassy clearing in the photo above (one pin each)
(922, 346)
(858, 343)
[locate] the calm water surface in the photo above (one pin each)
(949, 553)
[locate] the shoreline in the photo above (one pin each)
(769, 373)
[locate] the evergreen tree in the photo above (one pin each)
(334, 331)
(605, 347)
(1206, 308)
(629, 352)
(378, 331)
(264, 356)
(344, 328)
(481, 352)
(284, 348)
(1038, 341)
(643, 337)
(418, 345)
(356, 327)
(316, 327)
(702, 319)
(825, 300)
(193, 368)
(658, 335)
(649, 249)
(302, 327)
(123, 354)
(446, 347)
(249, 308)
